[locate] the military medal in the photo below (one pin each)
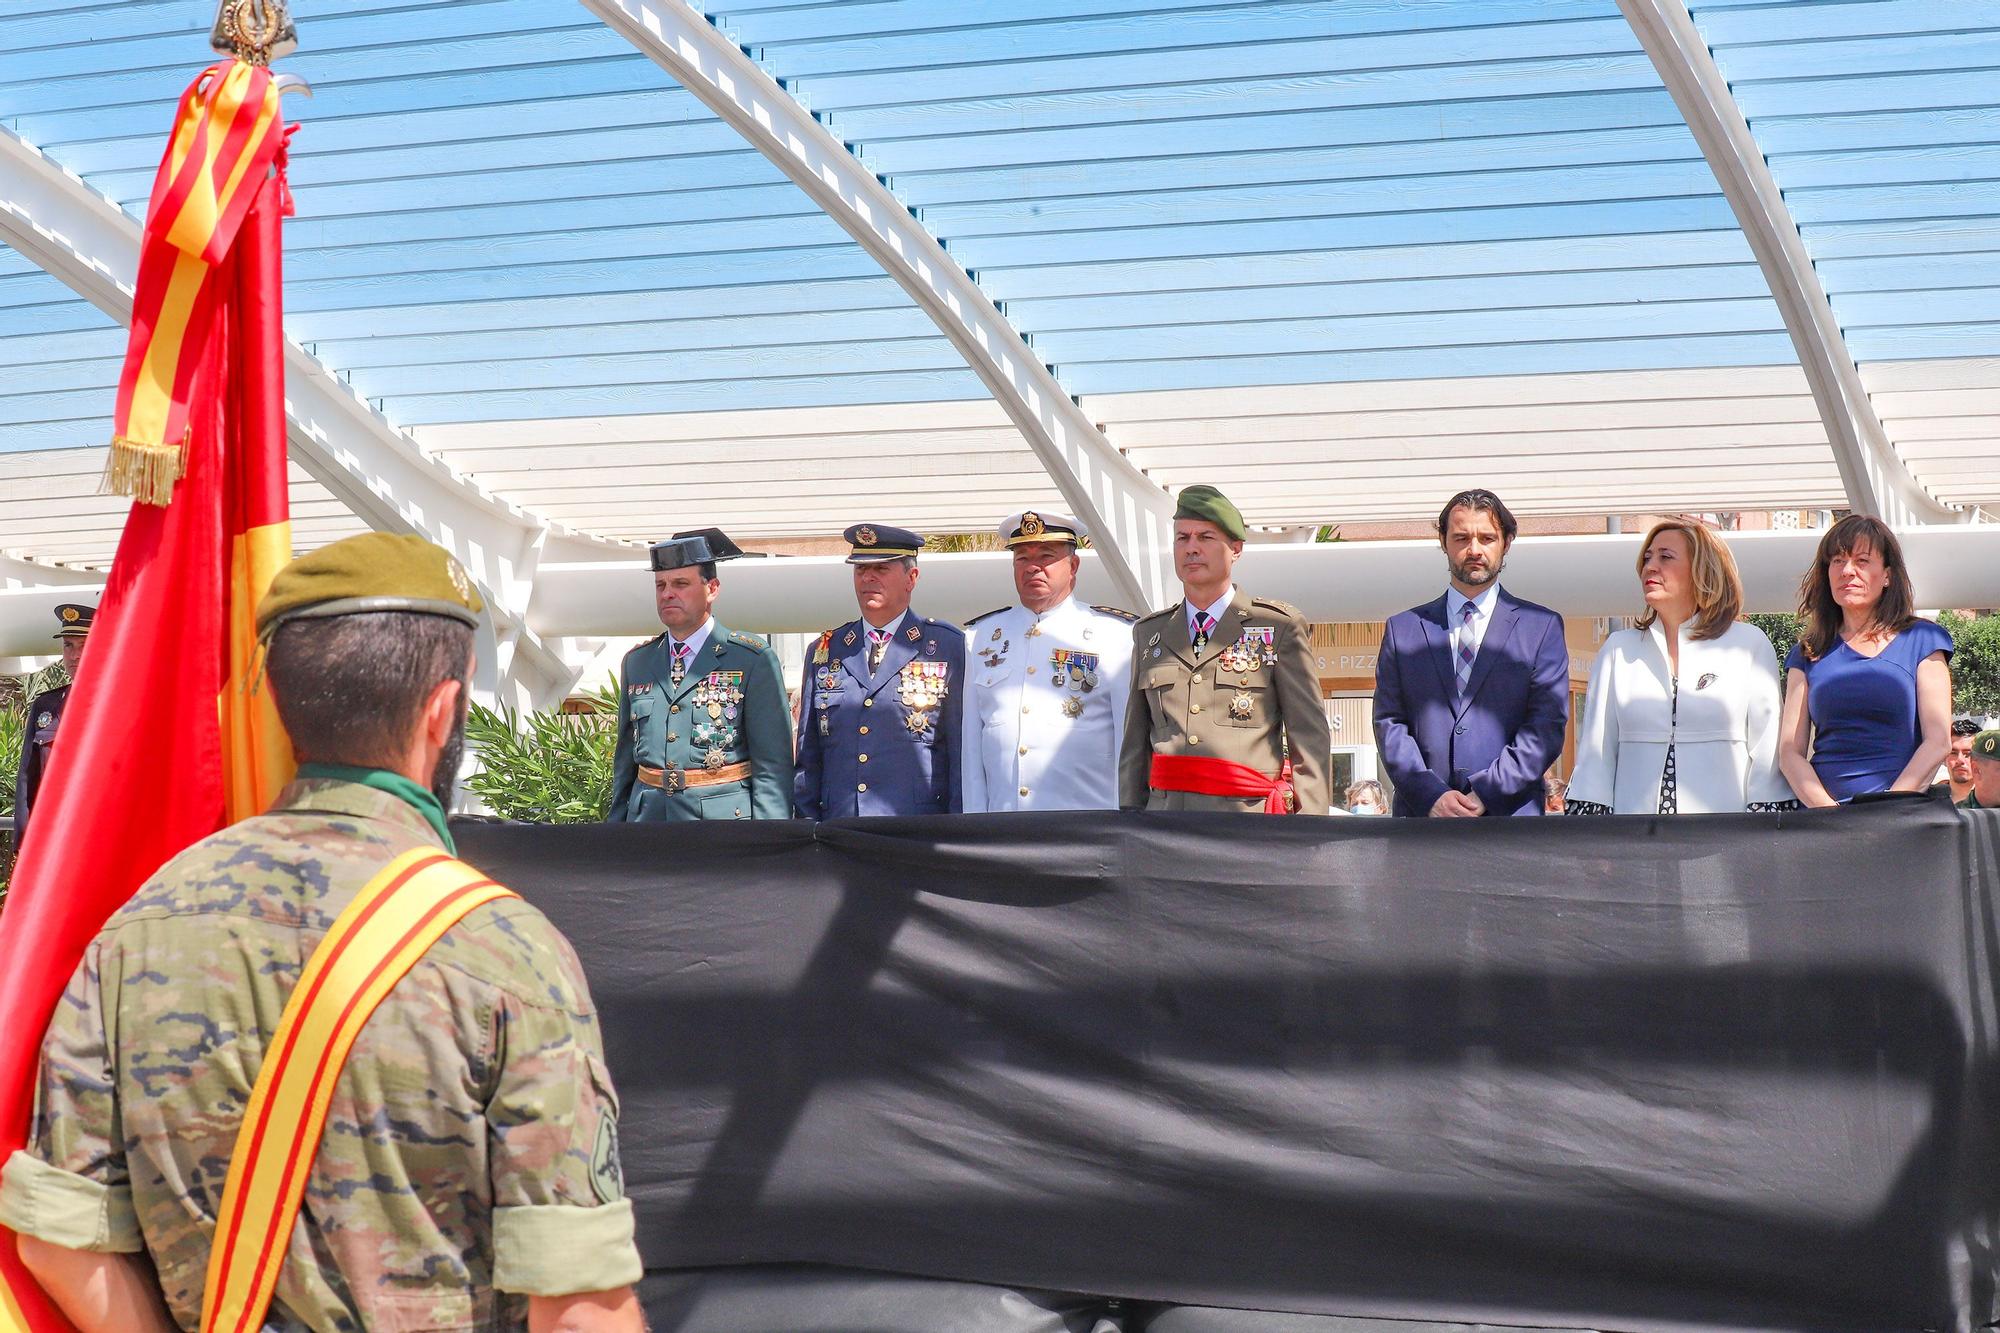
(714, 759)
(819, 649)
(921, 687)
(1059, 659)
(1264, 637)
(1072, 706)
(1240, 707)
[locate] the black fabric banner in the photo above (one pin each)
(1732, 1072)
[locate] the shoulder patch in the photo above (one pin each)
(1117, 612)
(996, 611)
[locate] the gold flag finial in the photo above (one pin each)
(254, 31)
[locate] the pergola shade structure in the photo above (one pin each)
(1339, 258)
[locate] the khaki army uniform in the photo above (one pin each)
(1252, 685)
(470, 1156)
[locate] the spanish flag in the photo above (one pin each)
(164, 741)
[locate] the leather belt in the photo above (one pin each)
(671, 780)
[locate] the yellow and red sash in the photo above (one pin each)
(374, 942)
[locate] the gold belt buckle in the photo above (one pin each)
(674, 780)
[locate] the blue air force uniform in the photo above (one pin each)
(45, 713)
(883, 741)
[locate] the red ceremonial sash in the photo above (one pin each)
(1205, 776)
(371, 945)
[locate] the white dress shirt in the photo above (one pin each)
(1214, 610)
(1029, 743)
(694, 641)
(1482, 616)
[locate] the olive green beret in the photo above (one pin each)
(376, 571)
(1986, 745)
(1212, 506)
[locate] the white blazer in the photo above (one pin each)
(1724, 730)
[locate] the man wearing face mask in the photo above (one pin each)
(879, 729)
(1045, 682)
(704, 729)
(467, 1173)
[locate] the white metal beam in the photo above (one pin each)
(1876, 479)
(52, 217)
(1127, 512)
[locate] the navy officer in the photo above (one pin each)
(880, 702)
(1046, 682)
(45, 711)
(704, 729)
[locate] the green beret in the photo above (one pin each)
(1986, 745)
(1212, 506)
(376, 571)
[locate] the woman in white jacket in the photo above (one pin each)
(1683, 710)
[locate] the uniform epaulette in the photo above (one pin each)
(1272, 603)
(1129, 617)
(737, 636)
(1163, 613)
(935, 623)
(647, 644)
(998, 610)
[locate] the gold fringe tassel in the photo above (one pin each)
(145, 471)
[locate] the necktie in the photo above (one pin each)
(878, 644)
(1465, 648)
(1203, 623)
(681, 653)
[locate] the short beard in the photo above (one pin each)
(1462, 575)
(444, 776)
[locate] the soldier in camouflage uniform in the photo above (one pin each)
(469, 1167)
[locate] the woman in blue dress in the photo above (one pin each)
(1868, 686)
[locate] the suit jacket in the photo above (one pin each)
(663, 725)
(1184, 702)
(885, 743)
(45, 712)
(1510, 728)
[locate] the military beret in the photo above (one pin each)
(872, 543)
(73, 619)
(1040, 525)
(1212, 506)
(1986, 745)
(376, 571)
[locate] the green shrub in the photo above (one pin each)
(549, 768)
(1975, 662)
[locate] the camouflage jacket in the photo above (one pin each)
(470, 1157)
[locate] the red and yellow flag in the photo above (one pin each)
(163, 741)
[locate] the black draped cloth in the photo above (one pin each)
(1731, 1072)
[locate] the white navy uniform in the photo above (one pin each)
(1045, 707)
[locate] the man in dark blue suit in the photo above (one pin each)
(1472, 690)
(880, 705)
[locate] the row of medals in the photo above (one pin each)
(1244, 656)
(1076, 671)
(922, 687)
(716, 698)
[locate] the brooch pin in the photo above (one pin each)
(1707, 679)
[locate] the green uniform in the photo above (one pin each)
(728, 709)
(1249, 693)
(470, 1155)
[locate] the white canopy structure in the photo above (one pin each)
(567, 277)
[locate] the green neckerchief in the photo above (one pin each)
(421, 799)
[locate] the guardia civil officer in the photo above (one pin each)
(1046, 682)
(1224, 694)
(45, 712)
(879, 729)
(704, 728)
(467, 1175)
